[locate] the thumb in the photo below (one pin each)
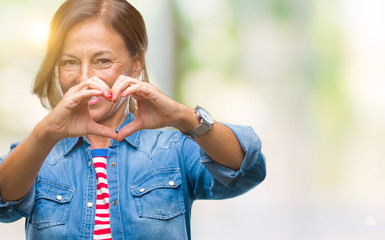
(128, 130)
(100, 130)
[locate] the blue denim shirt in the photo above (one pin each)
(154, 176)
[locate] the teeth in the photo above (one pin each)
(93, 97)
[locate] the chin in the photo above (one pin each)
(98, 119)
(108, 113)
(98, 115)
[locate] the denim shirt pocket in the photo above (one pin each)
(158, 194)
(51, 206)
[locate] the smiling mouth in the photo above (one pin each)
(94, 100)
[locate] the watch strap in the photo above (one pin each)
(198, 131)
(205, 125)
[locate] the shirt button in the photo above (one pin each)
(59, 197)
(171, 183)
(89, 164)
(113, 164)
(114, 202)
(90, 204)
(142, 190)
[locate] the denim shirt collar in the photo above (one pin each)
(133, 139)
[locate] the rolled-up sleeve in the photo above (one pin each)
(215, 181)
(13, 210)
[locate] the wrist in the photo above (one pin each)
(187, 120)
(43, 134)
(205, 123)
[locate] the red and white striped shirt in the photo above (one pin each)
(102, 229)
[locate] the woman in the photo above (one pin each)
(90, 169)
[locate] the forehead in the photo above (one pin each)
(92, 33)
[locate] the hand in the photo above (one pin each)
(155, 109)
(71, 117)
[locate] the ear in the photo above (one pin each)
(137, 66)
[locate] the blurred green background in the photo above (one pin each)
(308, 76)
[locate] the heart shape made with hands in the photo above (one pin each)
(73, 117)
(109, 132)
(155, 109)
(149, 102)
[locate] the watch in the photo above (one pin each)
(206, 123)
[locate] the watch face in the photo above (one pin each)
(205, 115)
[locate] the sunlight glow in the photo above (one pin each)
(38, 32)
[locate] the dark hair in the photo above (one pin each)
(117, 14)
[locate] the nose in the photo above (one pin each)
(86, 72)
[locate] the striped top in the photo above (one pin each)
(102, 229)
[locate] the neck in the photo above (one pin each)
(98, 141)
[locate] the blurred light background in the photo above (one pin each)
(308, 76)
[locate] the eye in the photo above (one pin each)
(103, 63)
(69, 64)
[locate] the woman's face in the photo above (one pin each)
(91, 49)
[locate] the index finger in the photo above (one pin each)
(97, 83)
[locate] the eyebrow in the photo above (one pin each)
(93, 56)
(101, 53)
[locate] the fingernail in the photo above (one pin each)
(122, 94)
(109, 95)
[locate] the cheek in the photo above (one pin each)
(66, 80)
(109, 75)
